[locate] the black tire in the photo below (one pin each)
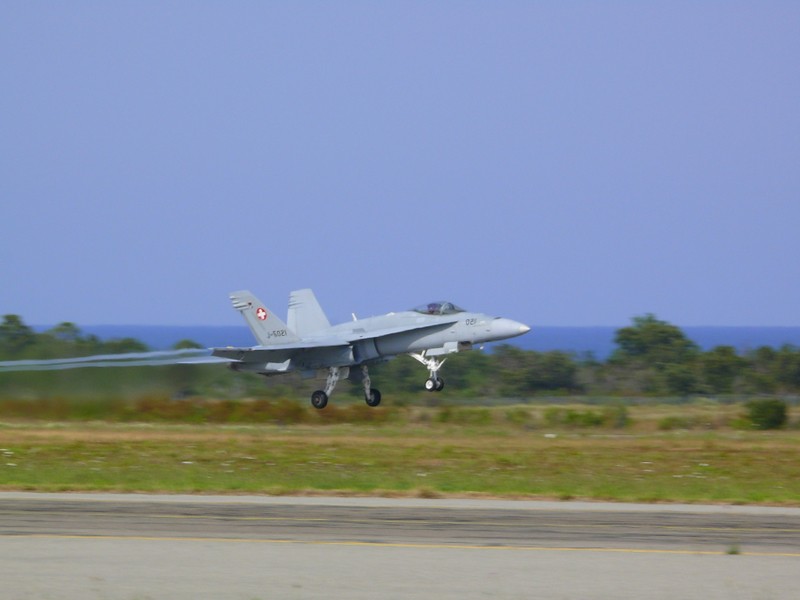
(374, 397)
(439, 385)
(319, 399)
(430, 385)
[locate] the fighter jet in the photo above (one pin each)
(308, 342)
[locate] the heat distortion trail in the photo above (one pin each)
(131, 359)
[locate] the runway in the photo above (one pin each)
(141, 546)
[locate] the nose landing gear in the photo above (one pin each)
(434, 382)
(434, 385)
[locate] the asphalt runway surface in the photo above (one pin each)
(136, 547)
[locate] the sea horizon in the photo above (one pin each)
(595, 341)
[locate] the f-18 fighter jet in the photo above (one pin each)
(307, 342)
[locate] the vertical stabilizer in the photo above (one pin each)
(265, 325)
(305, 313)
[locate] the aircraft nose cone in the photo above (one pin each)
(507, 328)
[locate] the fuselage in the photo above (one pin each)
(409, 332)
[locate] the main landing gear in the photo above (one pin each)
(319, 399)
(434, 382)
(372, 396)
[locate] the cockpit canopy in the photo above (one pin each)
(438, 308)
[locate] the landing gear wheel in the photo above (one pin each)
(434, 385)
(374, 397)
(434, 382)
(319, 399)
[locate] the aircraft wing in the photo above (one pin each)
(362, 334)
(319, 348)
(275, 353)
(204, 360)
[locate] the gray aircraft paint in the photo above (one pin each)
(308, 342)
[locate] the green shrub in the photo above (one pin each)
(675, 422)
(565, 417)
(519, 416)
(616, 416)
(766, 413)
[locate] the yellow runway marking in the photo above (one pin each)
(392, 545)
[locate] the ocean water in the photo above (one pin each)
(599, 341)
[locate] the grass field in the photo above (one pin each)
(505, 454)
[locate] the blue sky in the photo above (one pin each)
(560, 163)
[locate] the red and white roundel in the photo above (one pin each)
(261, 314)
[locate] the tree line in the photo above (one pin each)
(19, 341)
(651, 358)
